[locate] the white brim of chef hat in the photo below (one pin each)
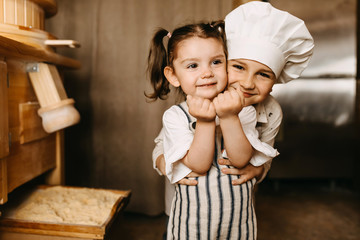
(258, 31)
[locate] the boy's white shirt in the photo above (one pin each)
(178, 137)
(269, 115)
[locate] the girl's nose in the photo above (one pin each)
(207, 73)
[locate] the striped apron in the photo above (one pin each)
(213, 209)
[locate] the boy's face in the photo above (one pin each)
(254, 79)
(199, 67)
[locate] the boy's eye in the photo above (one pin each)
(193, 65)
(238, 66)
(264, 75)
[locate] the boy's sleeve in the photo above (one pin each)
(263, 151)
(270, 131)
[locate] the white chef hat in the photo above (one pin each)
(277, 39)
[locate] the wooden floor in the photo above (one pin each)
(291, 210)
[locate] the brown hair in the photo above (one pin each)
(159, 57)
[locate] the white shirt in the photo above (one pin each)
(179, 135)
(269, 116)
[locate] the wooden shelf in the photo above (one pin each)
(15, 49)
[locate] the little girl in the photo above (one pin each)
(196, 133)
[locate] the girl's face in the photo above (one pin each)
(254, 79)
(199, 67)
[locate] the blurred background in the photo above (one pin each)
(111, 147)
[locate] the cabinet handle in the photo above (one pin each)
(62, 43)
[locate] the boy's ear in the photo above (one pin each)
(171, 76)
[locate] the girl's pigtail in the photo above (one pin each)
(220, 27)
(157, 61)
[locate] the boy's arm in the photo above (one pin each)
(238, 148)
(268, 132)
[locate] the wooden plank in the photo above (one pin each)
(31, 128)
(2, 17)
(9, 11)
(13, 48)
(50, 6)
(44, 85)
(4, 116)
(3, 181)
(27, 161)
(4, 132)
(27, 236)
(57, 81)
(20, 12)
(19, 91)
(57, 175)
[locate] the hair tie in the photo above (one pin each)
(168, 35)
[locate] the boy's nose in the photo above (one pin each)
(248, 82)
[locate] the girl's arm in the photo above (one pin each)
(185, 150)
(238, 148)
(159, 162)
(201, 152)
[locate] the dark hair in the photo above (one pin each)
(159, 57)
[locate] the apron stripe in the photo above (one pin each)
(180, 212)
(209, 205)
(197, 210)
(232, 208)
(241, 210)
(174, 211)
(187, 211)
(220, 194)
(247, 210)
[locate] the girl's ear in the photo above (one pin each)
(171, 76)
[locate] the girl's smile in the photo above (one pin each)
(199, 67)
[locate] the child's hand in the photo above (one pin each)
(202, 109)
(229, 103)
(189, 179)
(246, 173)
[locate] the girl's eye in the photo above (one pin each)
(218, 61)
(193, 65)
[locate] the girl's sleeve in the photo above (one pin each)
(263, 151)
(177, 141)
(158, 150)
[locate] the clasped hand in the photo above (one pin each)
(226, 104)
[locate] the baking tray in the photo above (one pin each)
(9, 224)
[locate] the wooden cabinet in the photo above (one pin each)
(34, 110)
(26, 150)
